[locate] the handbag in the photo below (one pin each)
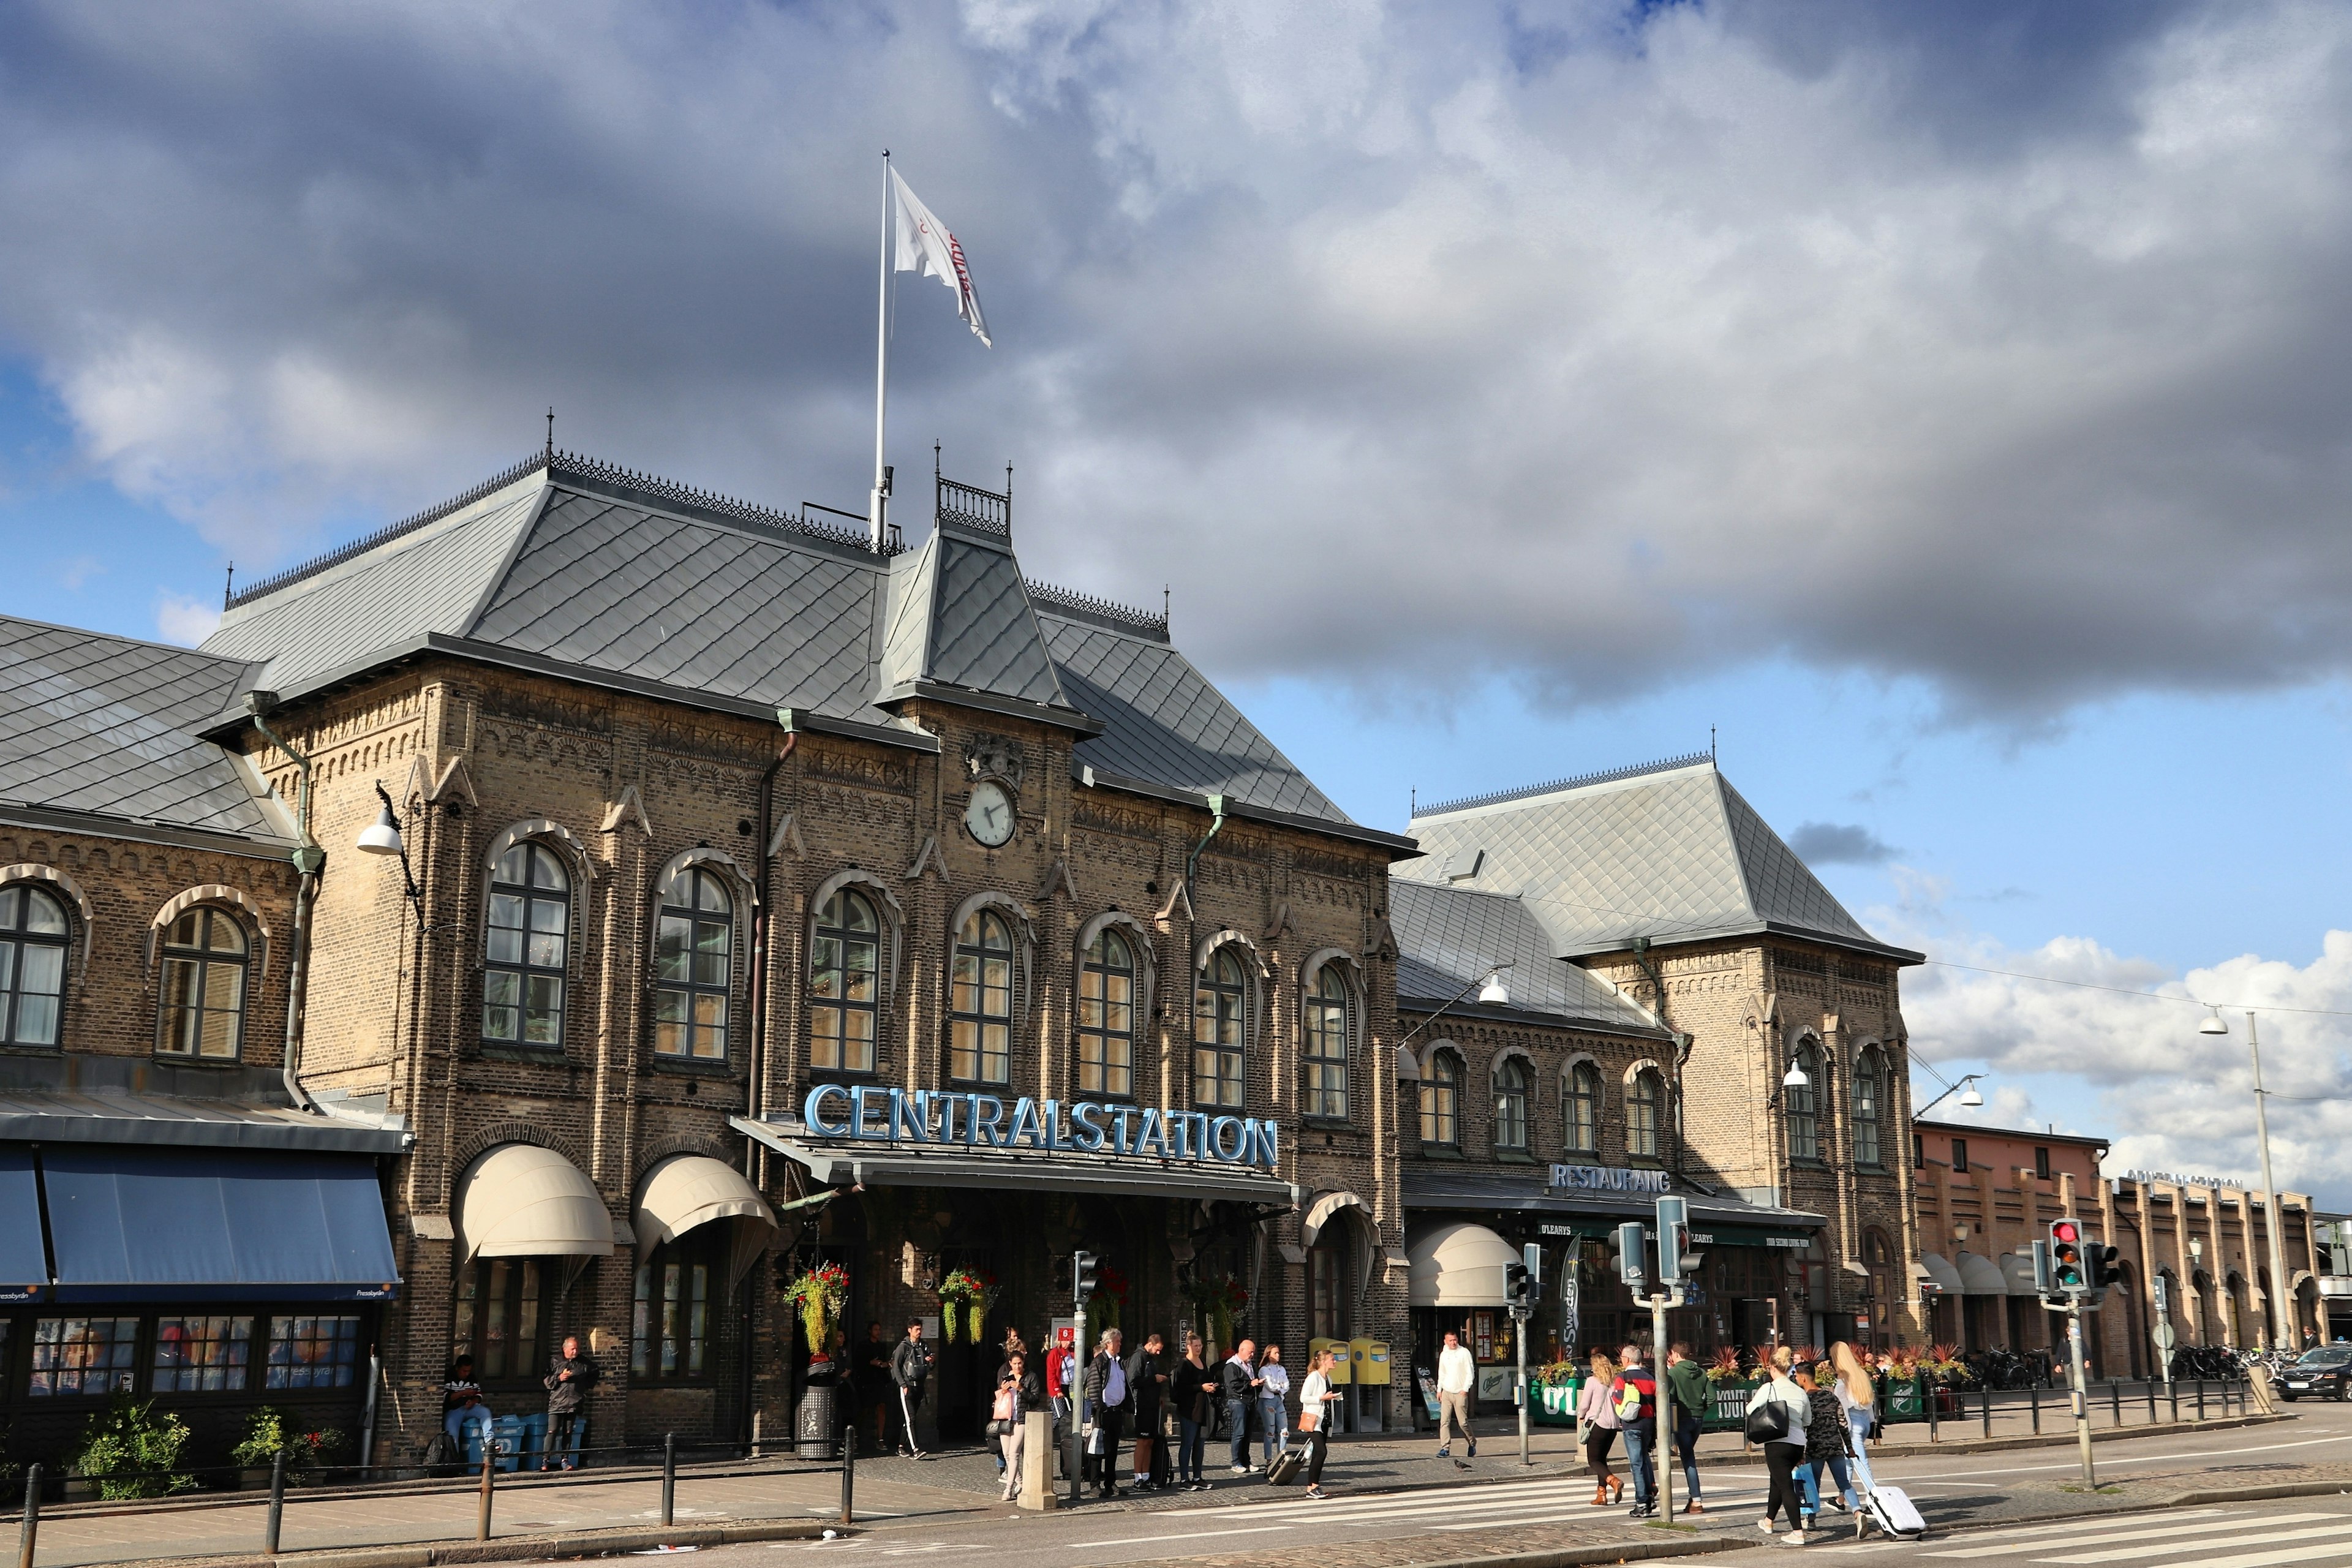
(1768, 1422)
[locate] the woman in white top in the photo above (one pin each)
(1857, 1395)
(1274, 1394)
(1316, 1397)
(1784, 1453)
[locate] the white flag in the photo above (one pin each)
(925, 245)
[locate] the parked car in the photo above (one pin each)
(2325, 1373)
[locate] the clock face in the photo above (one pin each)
(988, 815)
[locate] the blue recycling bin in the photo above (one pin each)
(507, 1433)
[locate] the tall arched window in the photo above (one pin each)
(845, 966)
(692, 950)
(1583, 1109)
(1644, 1098)
(1511, 1105)
(1327, 1045)
(1106, 1017)
(523, 951)
(1805, 1121)
(204, 987)
(1218, 1002)
(1869, 1091)
(1441, 1100)
(979, 1003)
(33, 938)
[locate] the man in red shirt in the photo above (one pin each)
(1636, 1393)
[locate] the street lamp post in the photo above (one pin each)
(2281, 1312)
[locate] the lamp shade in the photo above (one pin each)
(1794, 1077)
(1492, 994)
(2213, 1025)
(1971, 1099)
(381, 836)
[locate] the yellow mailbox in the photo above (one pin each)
(1342, 1372)
(1367, 1363)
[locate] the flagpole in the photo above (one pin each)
(877, 503)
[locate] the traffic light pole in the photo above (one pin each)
(1519, 1319)
(2080, 1389)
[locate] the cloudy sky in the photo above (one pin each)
(1947, 404)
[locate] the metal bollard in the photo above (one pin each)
(2151, 1402)
(28, 1533)
(2115, 1402)
(1929, 1392)
(276, 1515)
(1988, 1410)
(2201, 1399)
(482, 1516)
(2034, 1390)
(670, 1478)
(848, 1472)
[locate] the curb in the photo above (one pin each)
(1580, 1556)
(512, 1548)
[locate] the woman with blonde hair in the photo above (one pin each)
(1596, 1417)
(1778, 1413)
(1857, 1395)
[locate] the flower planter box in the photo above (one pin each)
(1556, 1405)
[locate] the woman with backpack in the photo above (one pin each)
(1825, 1440)
(1778, 1413)
(1596, 1421)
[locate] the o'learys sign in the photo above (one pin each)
(870, 1111)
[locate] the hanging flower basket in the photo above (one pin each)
(1103, 1307)
(1215, 1304)
(819, 1294)
(966, 1296)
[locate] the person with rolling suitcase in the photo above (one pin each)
(1316, 1397)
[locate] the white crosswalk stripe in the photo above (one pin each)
(2340, 1547)
(2122, 1529)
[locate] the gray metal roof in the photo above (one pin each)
(109, 726)
(1673, 854)
(123, 1115)
(1447, 938)
(624, 575)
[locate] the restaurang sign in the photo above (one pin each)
(870, 1111)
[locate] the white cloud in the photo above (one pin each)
(184, 620)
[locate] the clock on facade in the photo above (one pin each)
(989, 815)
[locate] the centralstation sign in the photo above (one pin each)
(874, 1113)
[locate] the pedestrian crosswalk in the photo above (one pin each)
(2310, 1534)
(1554, 1499)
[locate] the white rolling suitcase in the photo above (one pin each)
(1891, 1510)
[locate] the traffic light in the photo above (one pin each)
(1673, 1232)
(2044, 1280)
(2099, 1268)
(1082, 1274)
(1630, 1246)
(2068, 1272)
(1519, 1288)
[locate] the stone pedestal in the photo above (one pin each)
(1037, 1460)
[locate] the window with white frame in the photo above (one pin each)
(204, 986)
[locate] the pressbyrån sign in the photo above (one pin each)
(873, 1113)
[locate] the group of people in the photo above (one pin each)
(1824, 1412)
(569, 1378)
(1622, 1398)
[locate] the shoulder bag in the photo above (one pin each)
(1768, 1422)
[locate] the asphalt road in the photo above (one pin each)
(1980, 1488)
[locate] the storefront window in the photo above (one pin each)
(204, 986)
(980, 1021)
(691, 963)
(201, 1355)
(844, 966)
(1583, 1109)
(83, 1356)
(33, 936)
(1804, 1124)
(1869, 1085)
(1327, 1045)
(1106, 1017)
(523, 948)
(1218, 1003)
(1441, 1100)
(1511, 1105)
(312, 1353)
(496, 1320)
(1642, 1099)
(669, 1331)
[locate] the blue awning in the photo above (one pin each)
(24, 1265)
(215, 1225)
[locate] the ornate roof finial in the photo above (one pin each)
(935, 457)
(551, 432)
(228, 589)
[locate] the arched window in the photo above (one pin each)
(1218, 999)
(524, 950)
(1106, 1017)
(1869, 1091)
(1583, 1109)
(692, 949)
(1511, 1105)
(1441, 1100)
(844, 966)
(1327, 1045)
(1804, 1121)
(979, 1004)
(204, 987)
(1642, 1099)
(33, 937)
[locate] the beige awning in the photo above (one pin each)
(1981, 1276)
(1320, 1213)
(1459, 1265)
(1939, 1268)
(688, 1190)
(522, 1201)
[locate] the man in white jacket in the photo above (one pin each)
(1457, 1374)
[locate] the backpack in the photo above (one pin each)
(443, 1457)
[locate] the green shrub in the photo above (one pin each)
(269, 1432)
(128, 1440)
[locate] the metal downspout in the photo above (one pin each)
(755, 1085)
(1193, 861)
(309, 860)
